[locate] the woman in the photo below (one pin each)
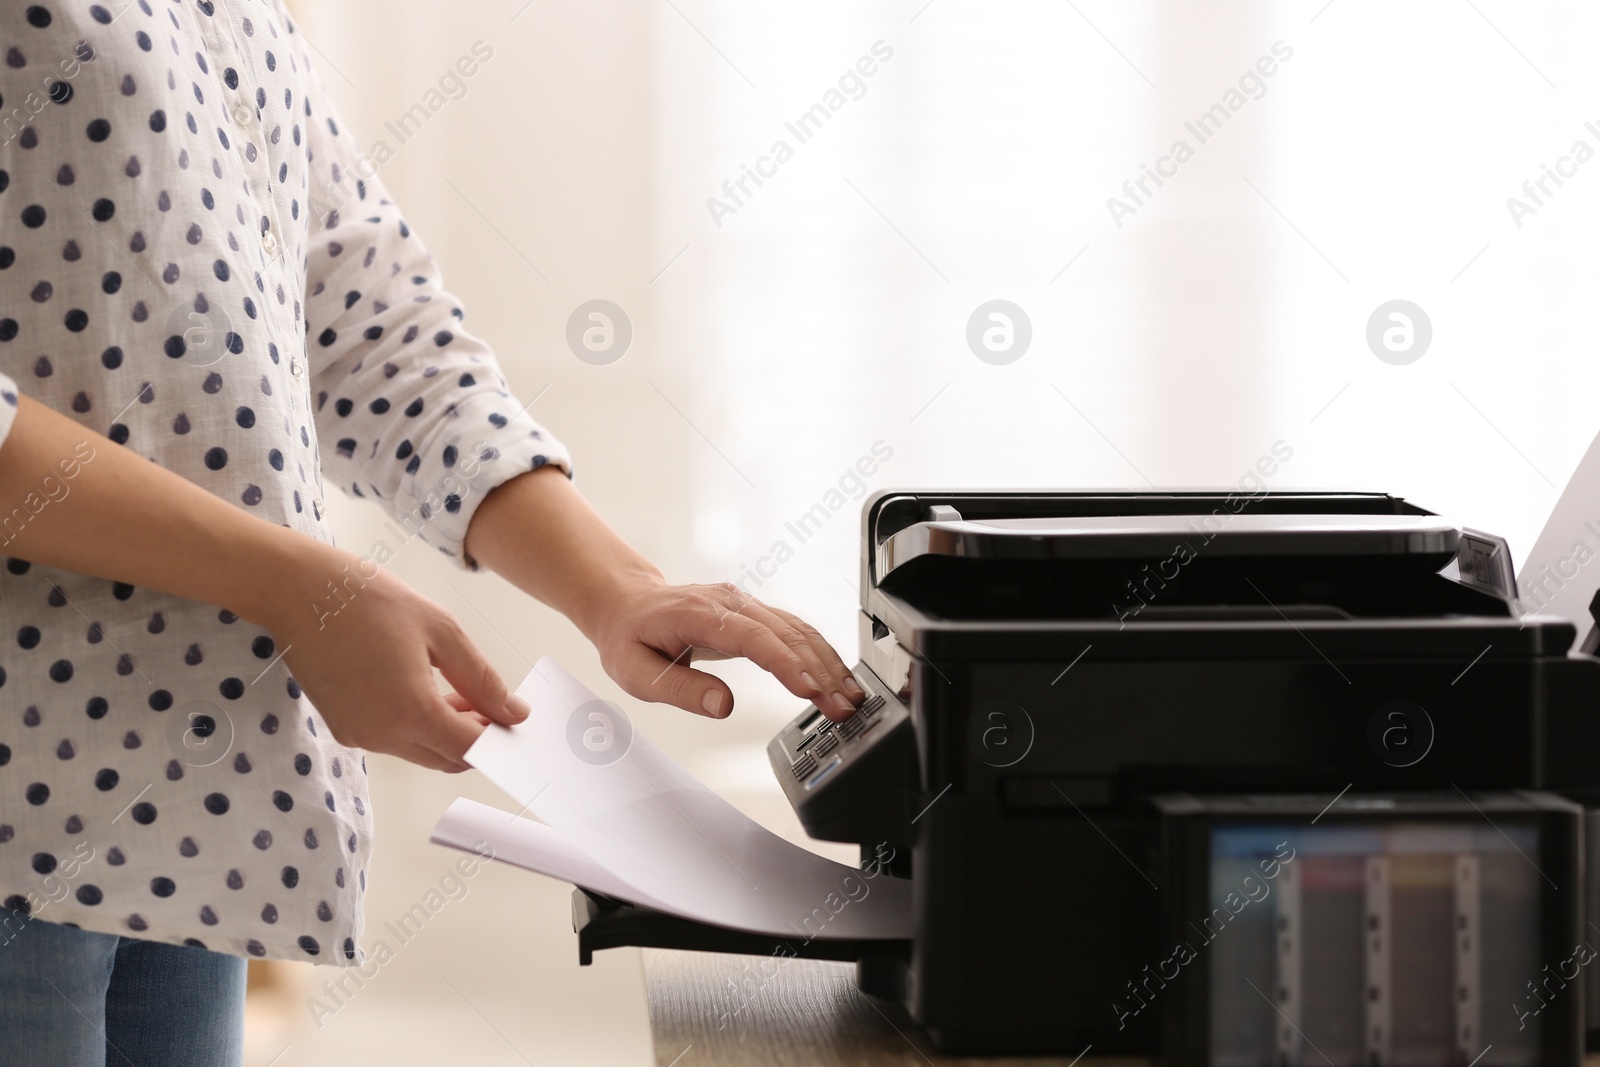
(209, 308)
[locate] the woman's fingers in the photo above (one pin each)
(794, 654)
(463, 706)
(735, 634)
(466, 669)
(651, 659)
(438, 737)
(449, 732)
(818, 644)
(647, 674)
(823, 678)
(427, 757)
(371, 676)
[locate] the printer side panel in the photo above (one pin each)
(1026, 920)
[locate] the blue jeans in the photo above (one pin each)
(78, 999)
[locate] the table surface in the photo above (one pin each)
(711, 1010)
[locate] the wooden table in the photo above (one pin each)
(711, 1010)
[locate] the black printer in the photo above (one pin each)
(1231, 779)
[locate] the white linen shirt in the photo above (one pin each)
(197, 261)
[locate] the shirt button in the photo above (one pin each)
(242, 114)
(269, 243)
(297, 368)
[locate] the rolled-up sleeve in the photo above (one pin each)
(411, 409)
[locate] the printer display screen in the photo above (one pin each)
(1391, 942)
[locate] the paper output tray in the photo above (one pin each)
(602, 922)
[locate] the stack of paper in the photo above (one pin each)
(618, 816)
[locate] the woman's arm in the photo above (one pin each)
(414, 413)
(539, 533)
(119, 516)
(367, 670)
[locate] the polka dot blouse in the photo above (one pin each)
(198, 262)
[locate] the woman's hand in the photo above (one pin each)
(647, 635)
(363, 652)
(537, 532)
(364, 657)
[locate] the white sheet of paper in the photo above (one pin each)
(1562, 570)
(466, 824)
(659, 834)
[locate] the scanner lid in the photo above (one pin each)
(999, 558)
(899, 526)
(1090, 537)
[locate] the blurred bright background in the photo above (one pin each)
(776, 344)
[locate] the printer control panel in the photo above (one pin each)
(848, 780)
(818, 751)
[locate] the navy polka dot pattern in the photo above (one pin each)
(198, 262)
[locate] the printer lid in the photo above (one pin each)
(1003, 560)
(1127, 536)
